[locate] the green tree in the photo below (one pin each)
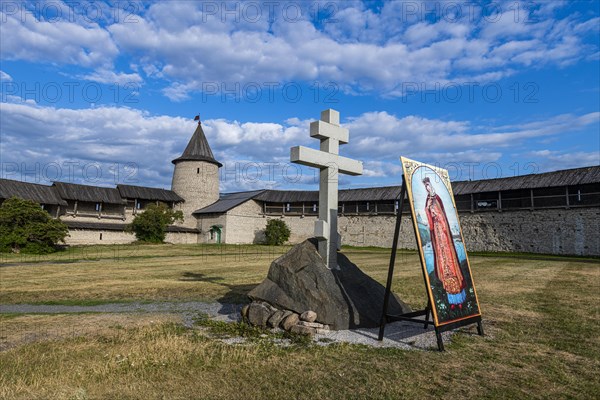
(151, 225)
(26, 227)
(277, 232)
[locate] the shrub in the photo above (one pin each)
(151, 225)
(26, 227)
(277, 232)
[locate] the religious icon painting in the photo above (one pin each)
(440, 241)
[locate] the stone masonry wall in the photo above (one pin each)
(87, 236)
(245, 224)
(205, 222)
(181, 238)
(551, 231)
(574, 231)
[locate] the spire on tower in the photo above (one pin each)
(198, 148)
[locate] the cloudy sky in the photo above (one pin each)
(106, 92)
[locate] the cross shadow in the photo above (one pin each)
(196, 277)
(236, 294)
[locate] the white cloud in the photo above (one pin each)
(381, 135)
(381, 169)
(106, 136)
(5, 77)
(255, 141)
(187, 44)
(33, 134)
(551, 159)
(110, 77)
(109, 136)
(55, 41)
(359, 52)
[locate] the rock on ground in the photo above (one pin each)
(346, 298)
(259, 314)
(275, 319)
(289, 321)
(308, 316)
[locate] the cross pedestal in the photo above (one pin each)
(330, 164)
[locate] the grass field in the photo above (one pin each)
(541, 318)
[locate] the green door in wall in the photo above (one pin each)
(215, 233)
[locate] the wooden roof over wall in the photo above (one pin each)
(289, 196)
(59, 192)
(568, 177)
(42, 194)
(94, 194)
(147, 193)
(345, 195)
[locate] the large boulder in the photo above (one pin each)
(346, 298)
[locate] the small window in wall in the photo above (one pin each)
(212, 234)
(97, 206)
(287, 207)
(101, 236)
(487, 204)
(197, 170)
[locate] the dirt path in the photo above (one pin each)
(213, 309)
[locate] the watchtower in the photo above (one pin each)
(196, 176)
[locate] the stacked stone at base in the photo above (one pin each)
(265, 315)
(302, 295)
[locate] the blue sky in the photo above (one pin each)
(105, 92)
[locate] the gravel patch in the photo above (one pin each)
(400, 334)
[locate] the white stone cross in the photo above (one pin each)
(331, 135)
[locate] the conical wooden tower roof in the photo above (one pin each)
(198, 149)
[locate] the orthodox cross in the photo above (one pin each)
(330, 164)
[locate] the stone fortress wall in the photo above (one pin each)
(573, 231)
(99, 236)
(553, 231)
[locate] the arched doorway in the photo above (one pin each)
(215, 233)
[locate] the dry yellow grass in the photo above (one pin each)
(541, 318)
(19, 330)
(133, 273)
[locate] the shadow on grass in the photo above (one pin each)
(237, 294)
(196, 277)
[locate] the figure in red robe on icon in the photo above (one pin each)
(445, 259)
